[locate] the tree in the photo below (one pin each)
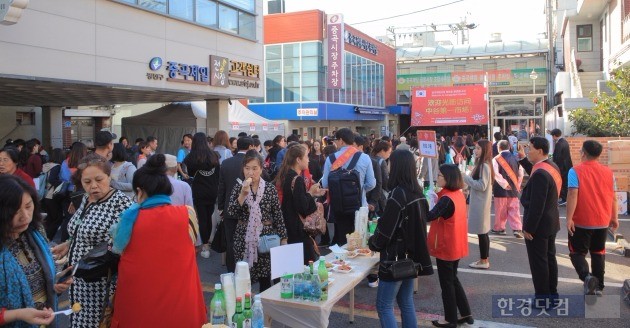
(611, 115)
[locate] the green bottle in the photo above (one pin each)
(323, 278)
(238, 317)
(310, 266)
(247, 312)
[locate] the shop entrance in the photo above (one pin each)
(521, 116)
(82, 130)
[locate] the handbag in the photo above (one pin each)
(219, 242)
(107, 314)
(267, 242)
(314, 223)
(98, 263)
(402, 269)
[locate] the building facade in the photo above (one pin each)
(322, 75)
(75, 61)
(516, 101)
(591, 38)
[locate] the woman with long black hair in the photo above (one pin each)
(203, 166)
(398, 239)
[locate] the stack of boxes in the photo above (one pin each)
(619, 163)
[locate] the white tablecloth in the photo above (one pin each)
(297, 314)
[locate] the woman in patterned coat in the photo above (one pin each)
(100, 209)
(255, 204)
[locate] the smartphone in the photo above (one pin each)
(66, 274)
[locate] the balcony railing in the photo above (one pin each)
(575, 77)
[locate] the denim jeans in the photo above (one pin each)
(402, 291)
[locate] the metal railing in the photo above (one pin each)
(575, 77)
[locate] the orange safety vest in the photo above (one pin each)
(595, 197)
(448, 237)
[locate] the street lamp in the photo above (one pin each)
(533, 75)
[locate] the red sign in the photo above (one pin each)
(448, 106)
(427, 144)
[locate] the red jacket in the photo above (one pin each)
(158, 278)
(448, 237)
(21, 174)
(595, 197)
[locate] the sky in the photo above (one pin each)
(515, 19)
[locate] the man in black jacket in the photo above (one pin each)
(231, 170)
(541, 219)
(562, 158)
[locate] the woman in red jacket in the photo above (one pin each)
(448, 243)
(158, 279)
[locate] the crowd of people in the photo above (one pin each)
(146, 206)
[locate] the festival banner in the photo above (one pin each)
(448, 106)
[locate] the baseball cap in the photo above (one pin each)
(171, 161)
(103, 138)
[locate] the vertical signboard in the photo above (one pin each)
(335, 46)
(219, 67)
(449, 106)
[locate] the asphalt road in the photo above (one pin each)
(509, 274)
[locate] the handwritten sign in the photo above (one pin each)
(427, 144)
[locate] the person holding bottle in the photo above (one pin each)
(448, 243)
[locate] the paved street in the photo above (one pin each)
(508, 274)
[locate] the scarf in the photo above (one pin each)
(15, 292)
(254, 224)
(121, 232)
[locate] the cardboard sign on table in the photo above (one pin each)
(287, 259)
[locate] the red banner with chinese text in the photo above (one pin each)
(447, 106)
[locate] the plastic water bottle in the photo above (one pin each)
(258, 316)
(315, 288)
(217, 306)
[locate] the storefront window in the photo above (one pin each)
(246, 25)
(181, 9)
(228, 19)
(157, 5)
(207, 13)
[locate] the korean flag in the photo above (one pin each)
(421, 93)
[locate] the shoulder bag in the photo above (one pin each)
(401, 269)
(97, 263)
(314, 223)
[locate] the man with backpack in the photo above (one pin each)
(348, 175)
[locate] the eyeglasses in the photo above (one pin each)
(440, 175)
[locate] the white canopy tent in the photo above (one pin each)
(169, 123)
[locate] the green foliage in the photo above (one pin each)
(611, 115)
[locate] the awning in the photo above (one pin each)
(371, 111)
(399, 110)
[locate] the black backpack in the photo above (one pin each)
(344, 185)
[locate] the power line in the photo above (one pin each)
(411, 13)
